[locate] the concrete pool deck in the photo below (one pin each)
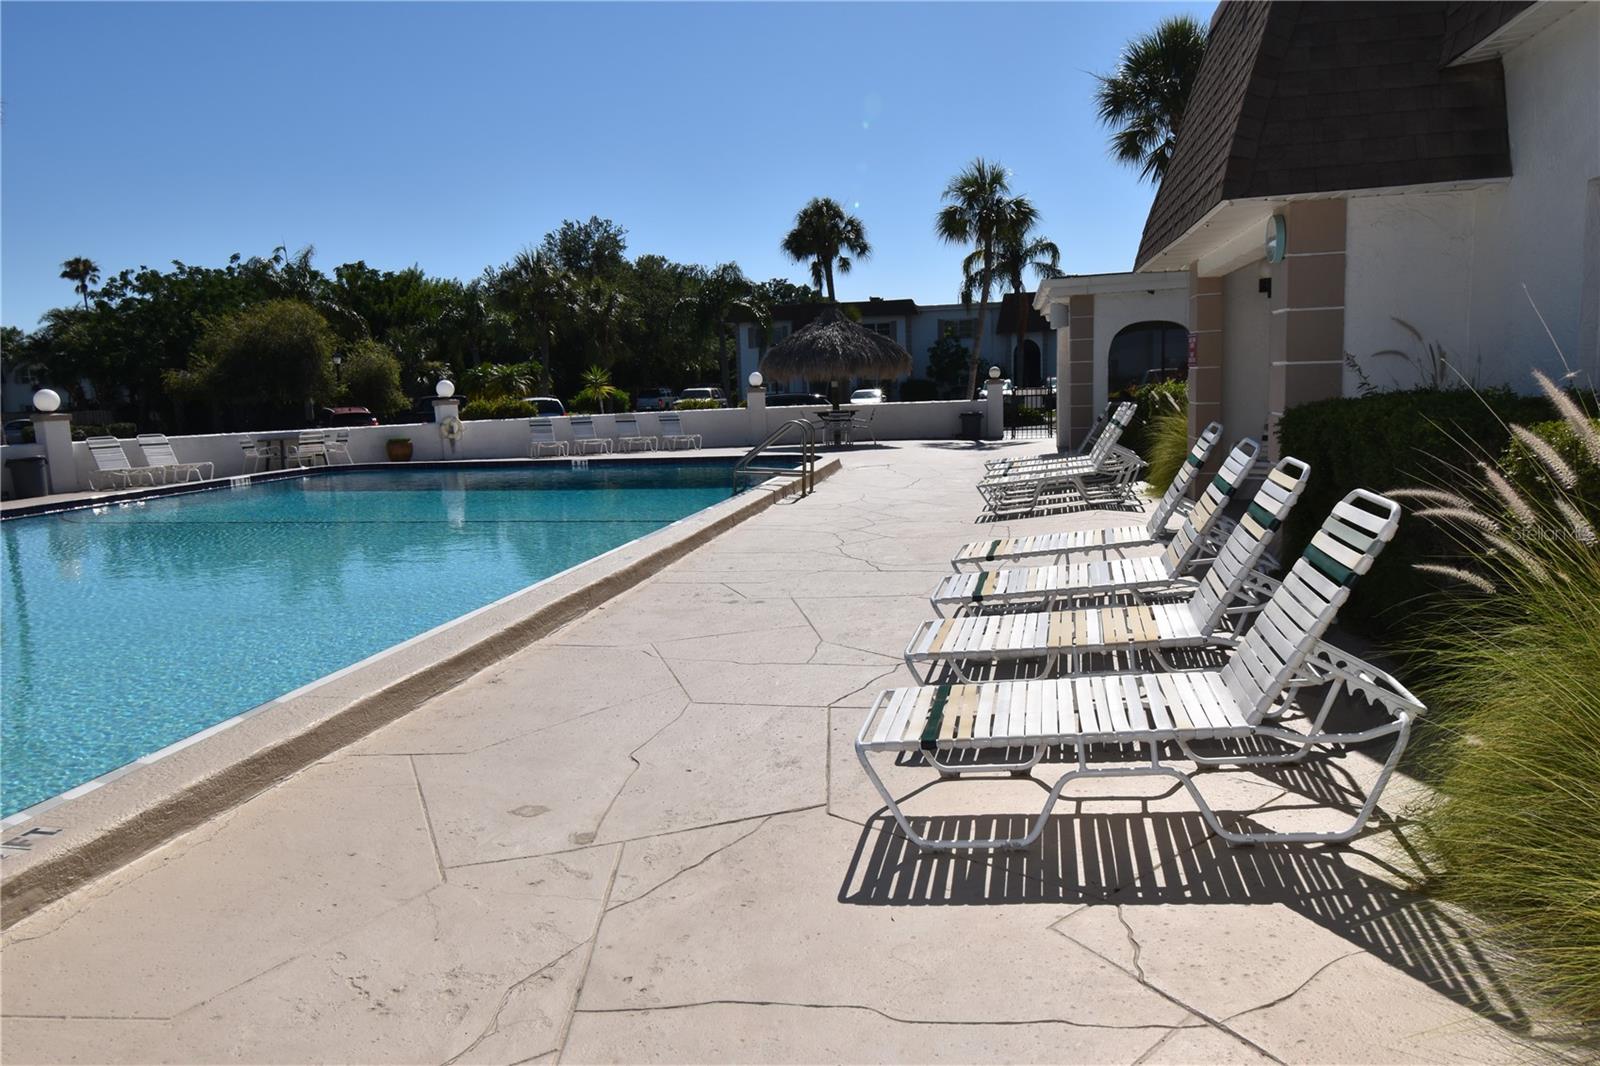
(645, 837)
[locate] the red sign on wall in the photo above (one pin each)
(1193, 360)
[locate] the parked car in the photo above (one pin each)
(20, 431)
(867, 396)
(328, 417)
(546, 406)
(797, 399)
(655, 400)
(702, 392)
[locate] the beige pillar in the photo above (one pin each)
(1061, 320)
(1205, 364)
(994, 425)
(755, 401)
(445, 409)
(1077, 373)
(54, 431)
(1306, 346)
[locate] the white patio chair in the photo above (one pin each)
(1122, 411)
(1115, 538)
(672, 435)
(306, 451)
(1062, 583)
(158, 452)
(1250, 697)
(111, 466)
(1213, 614)
(542, 434)
(583, 436)
(1104, 477)
(336, 443)
(257, 454)
(862, 420)
(629, 438)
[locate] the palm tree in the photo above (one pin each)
(536, 294)
(724, 298)
(981, 212)
(821, 232)
(1022, 251)
(1143, 99)
(82, 272)
(597, 390)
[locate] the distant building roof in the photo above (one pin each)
(798, 315)
(1325, 97)
(1007, 321)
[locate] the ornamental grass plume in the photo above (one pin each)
(1514, 662)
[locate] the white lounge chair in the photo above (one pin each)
(1154, 531)
(672, 434)
(629, 438)
(111, 466)
(1121, 413)
(1104, 477)
(583, 436)
(542, 432)
(306, 451)
(337, 445)
(1213, 614)
(257, 453)
(1251, 696)
(158, 452)
(1058, 583)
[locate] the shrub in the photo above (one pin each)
(1166, 448)
(1525, 471)
(1386, 441)
(498, 407)
(371, 378)
(124, 430)
(696, 405)
(1150, 402)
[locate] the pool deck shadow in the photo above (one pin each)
(643, 836)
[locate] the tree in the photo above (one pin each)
(370, 377)
(822, 231)
(591, 249)
(82, 273)
(269, 362)
(598, 391)
(725, 297)
(1143, 99)
(536, 294)
(1022, 251)
(947, 363)
(981, 211)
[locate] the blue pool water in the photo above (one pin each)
(127, 629)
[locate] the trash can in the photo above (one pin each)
(972, 425)
(28, 477)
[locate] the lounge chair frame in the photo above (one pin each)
(542, 435)
(630, 439)
(158, 451)
(672, 435)
(583, 436)
(112, 464)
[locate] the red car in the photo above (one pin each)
(345, 416)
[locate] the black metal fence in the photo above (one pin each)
(1031, 413)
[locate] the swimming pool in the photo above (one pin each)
(127, 628)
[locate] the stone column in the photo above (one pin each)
(54, 431)
(1060, 317)
(755, 400)
(994, 423)
(444, 409)
(1306, 341)
(1205, 366)
(1077, 373)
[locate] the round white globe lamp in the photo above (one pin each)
(446, 389)
(46, 401)
(755, 379)
(994, 373)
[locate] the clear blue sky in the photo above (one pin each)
(450, 136)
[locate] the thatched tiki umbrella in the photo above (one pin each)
(835, 348)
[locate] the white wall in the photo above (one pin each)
(1114, 311)
(1246, 358)
(1411, 256)
(1533, 231)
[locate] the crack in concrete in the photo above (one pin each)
(1133, 942)
(492, 1027)
(695, 865)
(427, 820)
(1301, 987)
(588, 960)
(886, 1015)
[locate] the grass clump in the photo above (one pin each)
(1167, 448)
(1512, 661)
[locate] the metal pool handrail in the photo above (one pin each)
(808, 457)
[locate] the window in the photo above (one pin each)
(887, 329)
(964, 328)
(1147, 351)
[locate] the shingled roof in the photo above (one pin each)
(1324, 97)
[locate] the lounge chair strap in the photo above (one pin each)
(1194, 460)
(994, 547)
(1331, 568)
(930, 731)
(1262, 517)
(1223, 485)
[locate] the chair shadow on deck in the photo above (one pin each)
(1172, 858)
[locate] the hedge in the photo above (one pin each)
(499, 407)
(1388, 441)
